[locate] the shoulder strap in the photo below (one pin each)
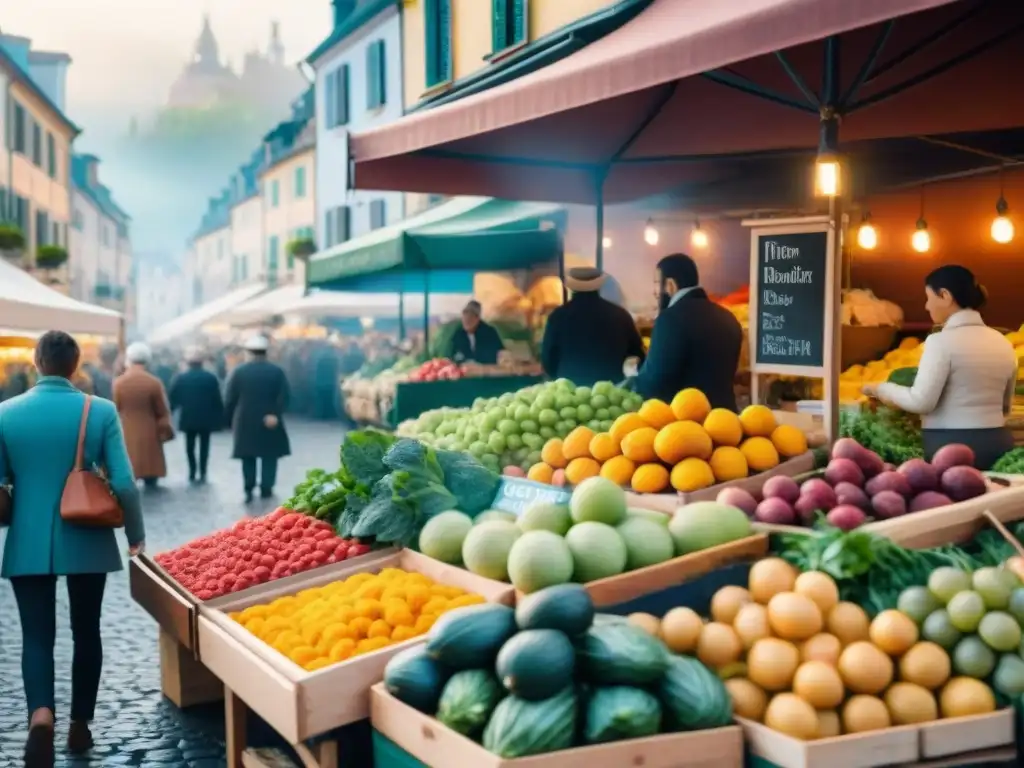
(80, 452)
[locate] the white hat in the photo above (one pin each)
(193, 355)
(138, 353)
(257, 343)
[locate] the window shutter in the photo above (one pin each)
(330, 100)
(343, 95)
(499, 25)
(346, 223)
(375, 93)
(438, 41)
(518, 26)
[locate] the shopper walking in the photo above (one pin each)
(39, 434)
(142, 403)
(256, 399)
(195, 395)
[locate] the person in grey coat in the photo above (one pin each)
(255, 402)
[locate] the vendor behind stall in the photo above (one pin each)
(588, 339)
(695, 342)
(475, 340)
(965, 381)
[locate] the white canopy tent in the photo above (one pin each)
(195, 319)
(27, 307)
(289, 302)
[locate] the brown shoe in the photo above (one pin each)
(79, 738)
(39, 747)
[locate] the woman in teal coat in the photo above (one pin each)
(38, 441)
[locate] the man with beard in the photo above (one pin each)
(695, 342)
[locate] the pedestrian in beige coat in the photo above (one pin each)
(142, 403)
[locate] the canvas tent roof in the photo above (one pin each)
(28, 306)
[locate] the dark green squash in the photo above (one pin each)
(566, 607)
(536, 663)
(468, 700)
(470, 637)
(416, 679)
(519, 728)
(620, 712)
(693, 697)
(619, 653)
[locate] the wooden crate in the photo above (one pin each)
(170, 604)
(669, 502)
(891, 746)
(654, 578)
(183, 680)
(299, 704)
(955, 523)
(967, 734)
(438, 746)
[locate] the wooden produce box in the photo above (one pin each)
(299, 704)
(669, 502)
(437, 746)
(654, 578)
(892, 746)
(169, 603)
(967, 734)
(952, 524)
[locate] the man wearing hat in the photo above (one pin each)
(588, 339)
(195, 393)
(256, 399)
(475, 340)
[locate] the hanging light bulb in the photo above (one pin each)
(827, 168)
(698, 237)
(1002, 227)
(921, 240)
(650, 233)
(606, 242)
(867, 235)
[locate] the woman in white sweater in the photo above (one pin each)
(967, 374)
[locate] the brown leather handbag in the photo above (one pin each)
(87, 500)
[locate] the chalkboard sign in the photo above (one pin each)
(790, 286)
(515, 494)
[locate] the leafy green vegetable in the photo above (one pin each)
(1011, 462)
(362, 455)
(903, 376)
(473, 484)
(891, 433)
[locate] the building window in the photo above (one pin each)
(56, 233)
(42, 229)
(243, 267)
(275, 194)
(300, 181)
(508, 24)
(377, 214)
(376, 75)
(338, 225)
(336, 85)
(272, 254)
(51, 155)
(37, 144)
(438, 24)
(20, 129)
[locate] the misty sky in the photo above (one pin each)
(127, 52)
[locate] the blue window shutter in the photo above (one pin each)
(438, 41)
(330, 100)
(343, 90)
(518, 26)
(376, 90)
(499, 25)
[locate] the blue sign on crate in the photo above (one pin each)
(515, 494)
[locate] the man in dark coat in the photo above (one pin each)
(195, 393)
(588, 339)
(257, 397)
(695, 342)
(475, 340)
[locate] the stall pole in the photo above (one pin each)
(401, 313)
(426, 314)
(830, 96)
(599, 227)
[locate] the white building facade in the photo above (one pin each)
(162, 295)
(358, 87)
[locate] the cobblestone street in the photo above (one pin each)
(134, 725)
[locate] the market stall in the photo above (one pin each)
(179, 329)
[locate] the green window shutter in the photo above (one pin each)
(272, 256)
(330, 100)
(499, 25)
(376, 73)
(300, 181)
(438, 41)
(518, 26)
(342, 91)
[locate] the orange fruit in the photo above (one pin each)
(577, 444)
(788, 440)
(656, 413)
(724, 427)
(619, 470)
(681, 440)
(541, 473)
(728, 463)
(626, 423)
(603, 447)
(757, 421)
(650, 478)
(759, 453)
(581, 469)
(692, 475)
(552, 454)
(638, 445)
(691, 405)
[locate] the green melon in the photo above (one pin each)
(486, 548)
(539, 559)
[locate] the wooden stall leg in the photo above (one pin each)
(323, 755)
(235, 716)
(183, 680)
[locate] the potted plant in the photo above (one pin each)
(12, 240)
(301, 248)
(51, 257)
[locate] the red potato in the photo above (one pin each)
(953, 455)
(820, 492)
(844, 471)
(739, 498)
(846, 517)
(776, 511)
(928, 500)
(850, 494)
(963, 482)
(921, 475)
(781, 487)
(888, 504)
(888, 481)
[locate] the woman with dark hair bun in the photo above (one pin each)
(967, 374)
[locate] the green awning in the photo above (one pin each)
(464, 233)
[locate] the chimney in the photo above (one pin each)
(92, 170)
(49, 71)
(342, 10)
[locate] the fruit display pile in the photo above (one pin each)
(551, 675)
(511, 430)
(685, 445)
(806, 664)
(594, 537)
(326, 625)
(254, 551)
(438, 369)
(857, 486)
(906, 355)
(387, 488)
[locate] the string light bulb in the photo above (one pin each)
(1002, 227)
(651, 236)
(921, 240)
(698, 237)
(867, 235)
(827, 168)
(606, 242)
